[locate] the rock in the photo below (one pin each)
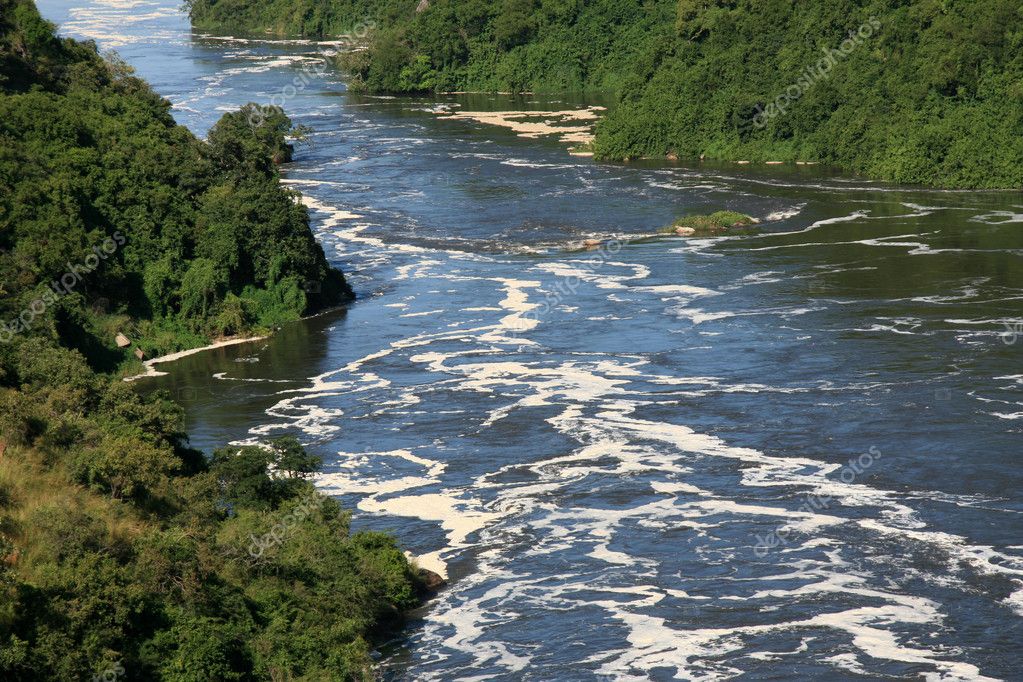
(432, 582)
(422, 6)
(122, 341)
(672, 156)
(774, 163)
(140, 354)
(591, 243)
(685, 231)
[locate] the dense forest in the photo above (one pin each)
(927, 91)
(124, 552)
(117, 219)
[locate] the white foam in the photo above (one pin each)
(784, 214)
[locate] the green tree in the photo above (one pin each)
(291, 459)
(202, 287)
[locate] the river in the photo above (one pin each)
(787, 455)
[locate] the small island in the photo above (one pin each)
(716, 223)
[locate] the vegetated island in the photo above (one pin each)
(716, 223)
(124, 552)
(924, 92)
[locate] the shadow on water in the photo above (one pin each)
(226, 391)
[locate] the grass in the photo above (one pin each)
(716, 222)
(30, 489)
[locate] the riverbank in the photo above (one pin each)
(571, 126)
(821, 91)
(150, 365)
(124, 550)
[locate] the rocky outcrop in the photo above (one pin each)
(430, 583)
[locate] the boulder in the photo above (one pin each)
(432, 582)
(685, 231)
(122, 341)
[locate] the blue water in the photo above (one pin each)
(788, 455)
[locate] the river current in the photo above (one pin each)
(793, 454)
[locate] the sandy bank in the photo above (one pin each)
(150, 365)
(573, 126)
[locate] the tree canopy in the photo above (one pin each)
(113, 217)
(932, 95)
(124, 552)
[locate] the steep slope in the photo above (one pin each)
(114, 218)
(123, 552)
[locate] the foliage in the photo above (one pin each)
(122, 550)
(718, 219)
(715, 223)
(118, 543)
(540, 45)
(932, 95)
(109, 211)
(313, 18)
(263, 477)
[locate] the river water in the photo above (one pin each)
(788, 455)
